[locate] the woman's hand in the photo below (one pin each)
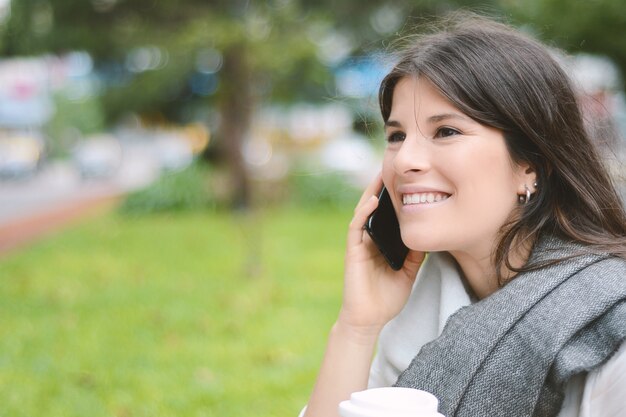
(373, 292)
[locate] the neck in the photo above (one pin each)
(480, 272)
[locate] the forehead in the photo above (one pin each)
(418, 96)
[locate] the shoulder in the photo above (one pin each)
(607, 266)
(599, 393)
(576, 257)
(605, 388)
(613, 262)
(553, 250)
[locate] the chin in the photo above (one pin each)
(422, 242)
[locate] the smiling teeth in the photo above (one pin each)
(423, 198)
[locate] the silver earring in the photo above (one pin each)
(524, 199)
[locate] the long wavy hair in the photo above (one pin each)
(503, 78)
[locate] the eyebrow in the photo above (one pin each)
(392, 123)
(432, 119)
(445, 116)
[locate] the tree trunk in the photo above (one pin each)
(235, 106)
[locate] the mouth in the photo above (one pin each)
(424, 198)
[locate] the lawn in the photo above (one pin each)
(211, 314)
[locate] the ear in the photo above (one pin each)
(526, 177)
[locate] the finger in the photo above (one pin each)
(355, 230)
(373, 188)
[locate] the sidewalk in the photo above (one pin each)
(58, 196)
(21, 230)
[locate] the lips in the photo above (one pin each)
(424, 198)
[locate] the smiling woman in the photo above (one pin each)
(491, 172)
(435, 150)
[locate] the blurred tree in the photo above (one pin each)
(597, 26)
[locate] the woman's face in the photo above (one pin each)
(451, 179)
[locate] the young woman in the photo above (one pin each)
(519, 309)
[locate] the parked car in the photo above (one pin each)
(98, 156)
(20, 155)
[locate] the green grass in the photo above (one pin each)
(189, 315)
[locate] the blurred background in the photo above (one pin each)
(176, 179)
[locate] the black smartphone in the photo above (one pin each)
(384, 229)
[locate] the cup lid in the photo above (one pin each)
(395, 399)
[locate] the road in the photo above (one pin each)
(57, 192)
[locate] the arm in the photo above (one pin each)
(373, 295)
(344, 370)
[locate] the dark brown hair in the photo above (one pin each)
(502, 78)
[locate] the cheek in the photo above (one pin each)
(490, 195)
(387, 170)
(485, 185)
(486, 170)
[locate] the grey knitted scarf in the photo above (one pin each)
(512, 353)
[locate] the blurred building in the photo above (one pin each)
(25, 106)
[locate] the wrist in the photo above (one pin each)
(364, 335)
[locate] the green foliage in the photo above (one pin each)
(156, 316)
(280, 41)
(577, 26)
(72, 119)
(329, 189)
(184, 190)
(270, 37)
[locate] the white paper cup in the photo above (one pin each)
(390, 402)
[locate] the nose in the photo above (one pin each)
(413, 156)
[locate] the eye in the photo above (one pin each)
(396, 136)
(444, 132)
